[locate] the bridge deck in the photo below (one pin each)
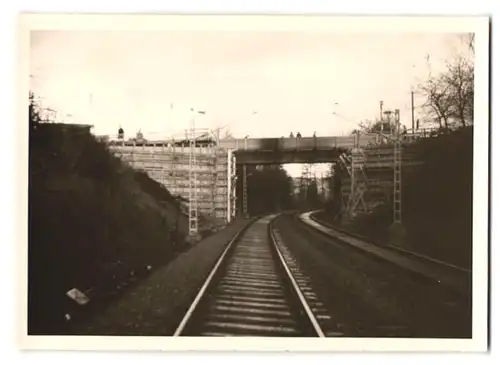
(267, 150)
(294, 144)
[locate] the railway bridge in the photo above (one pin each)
(203, 170)
(294, 150)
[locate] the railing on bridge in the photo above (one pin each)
(318, 143)
(283, 143)
(295, 144)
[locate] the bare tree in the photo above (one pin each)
(460, 81)
(34, 110)
(438, 103)
(449, 96)
(377, 126)
(469, 39)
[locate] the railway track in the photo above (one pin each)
(251, 291)
(449, 276)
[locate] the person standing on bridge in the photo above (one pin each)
(299, 135)
(139, 136)
(121, 134)
(291, 134)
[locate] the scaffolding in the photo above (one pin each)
(196, 172)
(215, 176)
(359, 181)
(377, 158)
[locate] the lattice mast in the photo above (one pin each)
(358, 178)
(245, 187)
(215, 173)
(397, 217)
(244, 191)
(193, 185)
(304, 180)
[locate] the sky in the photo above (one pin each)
(261, 84)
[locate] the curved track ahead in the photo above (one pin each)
(251, 291)
(367, 297)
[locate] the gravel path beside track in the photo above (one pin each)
(155, 306)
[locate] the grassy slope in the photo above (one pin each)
(437, 201)
(93, 220)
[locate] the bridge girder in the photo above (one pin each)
(283, 157)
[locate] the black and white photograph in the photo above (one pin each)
(250, 179)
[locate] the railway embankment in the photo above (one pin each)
(437, 202)
(95, 225)
(155, 306)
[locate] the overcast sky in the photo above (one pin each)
(151, 79)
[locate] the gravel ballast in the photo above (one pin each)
(156, 306)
